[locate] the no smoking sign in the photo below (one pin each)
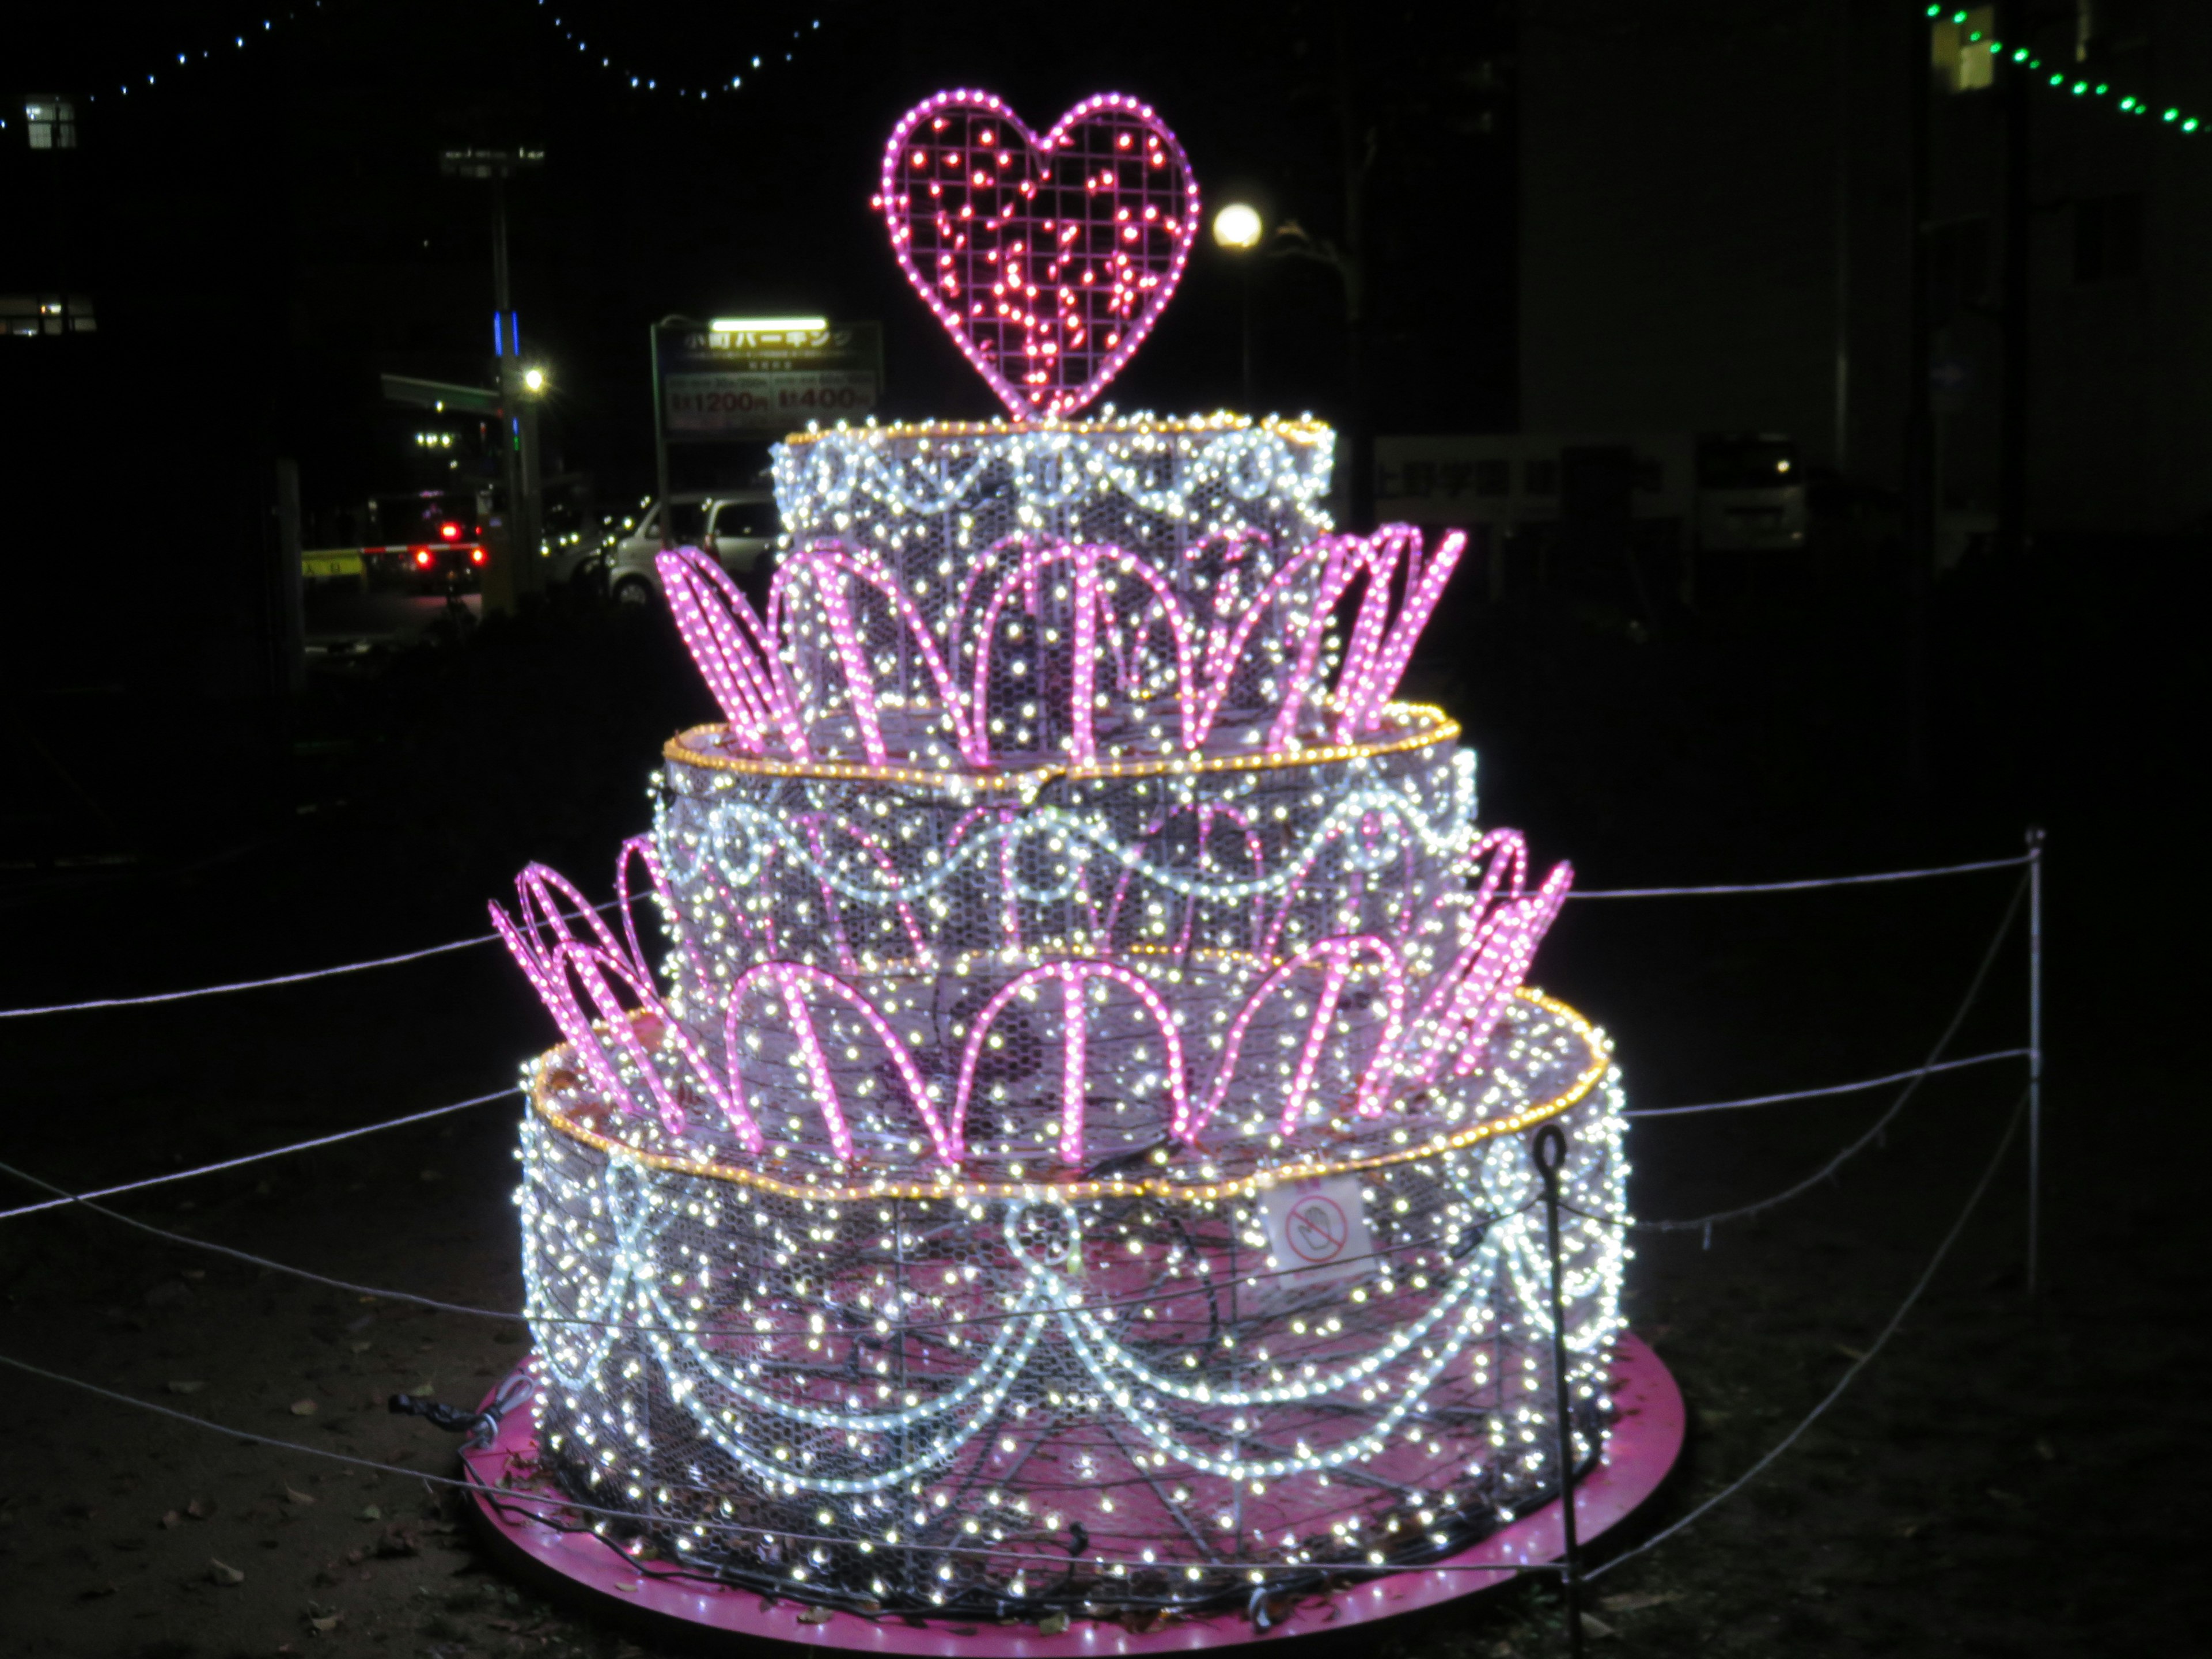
(1317, 1231)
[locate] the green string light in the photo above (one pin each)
(2129, 105)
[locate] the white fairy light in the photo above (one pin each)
(1073, 1130)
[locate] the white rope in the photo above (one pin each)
(1802, 886)
(1880, 1124)
(299, 978)
(251, 1157)
(246, 984)
(1973, 1199)
(503, 1496)
(485, 938)
(1833, 1088)
(525, 1499)
(515, 1316)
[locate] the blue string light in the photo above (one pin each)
(560, 24)
(186, 59)
(639, 82)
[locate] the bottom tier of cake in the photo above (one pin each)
(1125, 1392)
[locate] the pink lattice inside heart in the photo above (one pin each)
(1046, 259)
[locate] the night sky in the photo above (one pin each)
(284, 199)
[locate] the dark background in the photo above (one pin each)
(254, 230)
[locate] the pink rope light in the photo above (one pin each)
(734, 649)
(1073, 976)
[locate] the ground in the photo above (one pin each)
(2003, 1479)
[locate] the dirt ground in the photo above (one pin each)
(2011, 1475)
(1991, 1485)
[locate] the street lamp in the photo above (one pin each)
(1237, 229)
(533, 380)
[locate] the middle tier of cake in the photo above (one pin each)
(1075, 965)
(856, 868)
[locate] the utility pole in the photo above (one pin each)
(661, 429)
(1919, 469)
(2013, 296)
(1356, 154)
(515, 567)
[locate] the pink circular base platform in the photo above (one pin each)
(1640, 1451)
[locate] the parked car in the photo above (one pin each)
(737, 526)
(428, 541)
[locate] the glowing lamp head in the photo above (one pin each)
(533, 380)
(1237, 227)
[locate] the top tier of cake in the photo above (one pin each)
(992, 597)
(930, 499)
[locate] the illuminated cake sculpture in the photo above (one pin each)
(1067, 1150)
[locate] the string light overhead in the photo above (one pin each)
(573, 33)
(570, 31)
(185, 60)
(1972, 40)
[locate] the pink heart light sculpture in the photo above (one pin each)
(1046, 259)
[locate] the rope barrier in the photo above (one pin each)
(311, 974)
(1897, 1319)
(248, 984)
(514, 1316)
(1880, 1124)
(1832, 1088)
(524, 1500)
(299, 978)
(239, 1162)
(1802, 886)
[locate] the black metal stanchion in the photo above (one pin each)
(2034, 1058)
(1549, 1154)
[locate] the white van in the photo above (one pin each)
(737, 526)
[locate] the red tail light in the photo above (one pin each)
(423, 556)
(449, 532)
(476, 556)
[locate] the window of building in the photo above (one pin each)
(1493, 477)
(2108, 239)
(24, 314)
(1540, 478)
(1963, 49)
(51, 123)
(1651, 474)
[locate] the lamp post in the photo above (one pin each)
(532, 520)
(1237, 229)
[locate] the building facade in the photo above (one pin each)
(1717, 235)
